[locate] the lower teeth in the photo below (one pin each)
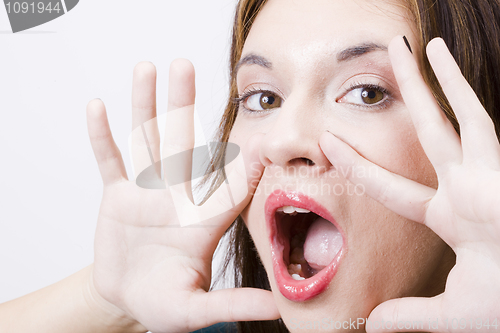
(295, 270)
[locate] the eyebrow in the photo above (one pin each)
(359, 50)
(344, 55)
(253, 59)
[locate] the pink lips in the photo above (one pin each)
(294, 290)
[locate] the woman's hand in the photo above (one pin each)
(464, 210)
(146, 264)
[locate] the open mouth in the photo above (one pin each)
(306, 244)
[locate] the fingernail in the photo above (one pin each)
(407, 44)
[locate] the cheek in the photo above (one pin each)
(252, 214)
(254, 219)
(237, 134)
(395, 147)
(398, 256)
(242, 130)
(401, 251)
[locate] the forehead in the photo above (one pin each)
(316, 26)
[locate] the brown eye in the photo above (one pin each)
(268, 101)
(263, 101)
(367, 96)
(371, 96)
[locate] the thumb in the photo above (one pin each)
(411, 314)
(234, 304)
(241, 177)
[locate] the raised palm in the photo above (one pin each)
(148, 265)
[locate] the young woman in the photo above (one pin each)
(356, 199)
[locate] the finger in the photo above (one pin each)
(430, 122)
(179, 127)
(232, 196)
(401, 195)
(145, 139)
(411, 314)
(107, 154)
(479, 140)
(231, 305)
(241, 180)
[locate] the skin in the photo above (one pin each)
(388, 256)
(152, 272)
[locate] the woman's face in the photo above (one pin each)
(323, 65)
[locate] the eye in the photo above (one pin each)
(365, 96)
(260, 101)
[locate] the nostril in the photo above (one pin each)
(305, 160)
(309, 162)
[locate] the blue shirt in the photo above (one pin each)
(219, 328)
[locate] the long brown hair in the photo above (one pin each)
(471, 30)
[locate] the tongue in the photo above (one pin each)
(322, 244)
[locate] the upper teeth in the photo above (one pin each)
(292, 210)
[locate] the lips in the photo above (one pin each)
(313, 282)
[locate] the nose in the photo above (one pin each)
(293, 138)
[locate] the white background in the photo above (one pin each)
(50, 188)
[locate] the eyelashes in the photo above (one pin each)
(367, 96)
(258, 100)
